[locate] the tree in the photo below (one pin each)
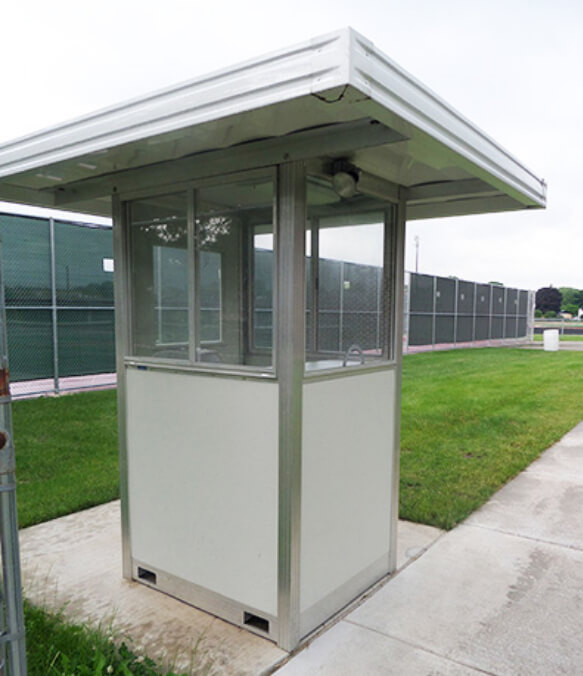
(571, 296)
(548, 299)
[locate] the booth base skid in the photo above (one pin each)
(254, 620)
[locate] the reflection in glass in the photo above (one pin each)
(159, 277)
(234, 242)
(348, 306)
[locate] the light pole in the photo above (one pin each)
(416, 254)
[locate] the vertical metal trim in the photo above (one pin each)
(341, 315)
(398, 259)
(54, 314)
(290, 341)
(314, 284)
(193, 289)
(474, 313)
(391, 335)
(490, 314)
(455, 310)
(530, 309)
(407, 312)
(122, 320)
(12, 629)
(517, 311)
(433, 320)
(505, 311)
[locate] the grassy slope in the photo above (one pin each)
(66, 454)
(473, 419)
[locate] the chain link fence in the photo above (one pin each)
(58, 279)
(60, 319)
(444, 312)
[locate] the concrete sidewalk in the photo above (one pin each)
(74, 564)
(500, 594)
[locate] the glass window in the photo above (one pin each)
(234, 236)
(159, 277)
(349, 309)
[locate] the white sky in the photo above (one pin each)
(513, 67)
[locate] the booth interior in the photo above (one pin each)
(259, 228)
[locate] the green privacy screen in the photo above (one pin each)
(65, 329)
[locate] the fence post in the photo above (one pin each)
(475, 304)
(12, 640)
(53, 265)
(455, 310)
(434, 312)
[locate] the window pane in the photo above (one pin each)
(351, 314)
(234, 226)
(262, 290)
(350, 311)
(159, 277)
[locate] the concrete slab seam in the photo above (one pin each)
(522, 537)
(417, 646)
(353, 605)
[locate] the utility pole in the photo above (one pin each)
(416, 253)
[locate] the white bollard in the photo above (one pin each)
(551, 340)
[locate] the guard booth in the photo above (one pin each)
(259, 218)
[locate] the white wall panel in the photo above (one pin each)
(346, 480)
(203, 477)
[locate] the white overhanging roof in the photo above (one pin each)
(333, 97)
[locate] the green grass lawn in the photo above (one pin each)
(66, 454)
(473, 419)
(538, 337)
(56, 647)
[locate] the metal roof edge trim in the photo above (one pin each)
(313, 66)
(384, 81)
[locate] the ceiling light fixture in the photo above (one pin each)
(344, 178)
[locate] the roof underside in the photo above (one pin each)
(333, 97)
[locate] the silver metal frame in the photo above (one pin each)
(290, 355)
(398, 268)
(201, 597)
(12, 630)
(122, 342)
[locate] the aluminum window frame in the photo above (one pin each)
(190, 189)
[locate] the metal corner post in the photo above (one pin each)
(53, 264)
(120, 236)
(290, 348)
(12, 632)
(398, 266)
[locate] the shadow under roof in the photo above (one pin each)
(336, 96)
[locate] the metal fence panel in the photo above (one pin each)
(30, 342)
(59, 297)
(446, 311)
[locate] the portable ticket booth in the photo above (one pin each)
(259, 219)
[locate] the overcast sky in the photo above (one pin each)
(513, 67)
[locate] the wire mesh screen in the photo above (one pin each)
(59, 303)
(444, 311)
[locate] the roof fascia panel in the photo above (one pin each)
(386, 83)
(315, 66)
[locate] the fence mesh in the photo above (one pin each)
(59, 303)
(447, 312)
(60, 318)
